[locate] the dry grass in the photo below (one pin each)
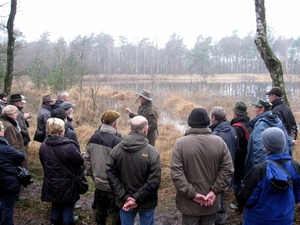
(174, 109)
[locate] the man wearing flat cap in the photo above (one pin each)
(68, 107)
(95, 156)
(283, 111)
(201, 168)
(43, 115)
(263, 120)
(147, 110)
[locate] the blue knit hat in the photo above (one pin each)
(273, 139)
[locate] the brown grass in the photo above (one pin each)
(88, 112)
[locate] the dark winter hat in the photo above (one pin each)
(66, 106)
(48, 98)
(275, 91)
(110, 116)
(273, 139)
(145, 94)
(263, 104)
(198, 118)
(240, 108)
(17, 97)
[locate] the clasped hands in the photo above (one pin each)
(207, 200)
(129, 204)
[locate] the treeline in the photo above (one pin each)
(62, 64)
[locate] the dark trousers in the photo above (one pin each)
(105, 205)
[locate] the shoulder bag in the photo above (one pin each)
(81, 182)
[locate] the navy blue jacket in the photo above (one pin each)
(10, 159)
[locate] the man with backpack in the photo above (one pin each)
(271, 188)
(239, 123)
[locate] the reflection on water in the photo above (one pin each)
(239, 91)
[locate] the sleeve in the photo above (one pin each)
(151, 186)
(113, 176)
(87, 160)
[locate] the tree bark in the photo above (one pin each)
(10, 47)
(271, 61)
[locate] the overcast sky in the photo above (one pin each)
(158, 19)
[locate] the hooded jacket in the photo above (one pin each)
(134, 170)
(268, 190)
(58, 184)
(200, 163)
(255, 149)
(10, 159)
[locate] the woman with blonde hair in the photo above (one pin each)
(10, 158)
(12, 130)
(57, 155)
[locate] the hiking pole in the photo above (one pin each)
(133, 102)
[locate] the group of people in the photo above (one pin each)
(252, 156)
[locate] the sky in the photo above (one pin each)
(153, 19)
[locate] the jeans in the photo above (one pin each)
(7, 209)
(105, 205)
(62, 214)
(146, 217)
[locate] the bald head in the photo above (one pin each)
(139, 124)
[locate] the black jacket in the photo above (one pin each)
(281, 109)
(59, 185)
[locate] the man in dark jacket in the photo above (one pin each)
(44, 113)
(283, 111)
(147, 110)
(95, 156)
(134, 173)
(221, 127)
(243, 130)
(271, 188)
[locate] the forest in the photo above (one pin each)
(63, 63)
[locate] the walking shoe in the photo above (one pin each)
(76, 206)
(21, 198)
(75, 218)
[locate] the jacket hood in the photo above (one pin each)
(134, 142)
(223, 126)
(57, 140)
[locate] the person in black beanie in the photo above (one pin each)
(198, 182)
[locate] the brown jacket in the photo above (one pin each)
(200, 163)
(13, 136)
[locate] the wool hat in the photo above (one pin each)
(17, 97)
(240, 108)
(145, 94)
(66, 106)
(110, 116)
(48, 98)
(273, 139)
(263, 104)
(198, 118)
(275, 91)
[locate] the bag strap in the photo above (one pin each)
(53, 153)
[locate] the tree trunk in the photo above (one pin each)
(10, 47)
(271, 61)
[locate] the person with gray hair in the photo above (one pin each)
(222, 128)
(271, 188)
(134, 174)
(62, 96)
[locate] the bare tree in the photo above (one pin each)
(10, 47)
(271, 61)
